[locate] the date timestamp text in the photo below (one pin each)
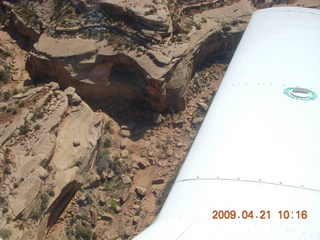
(263, 214)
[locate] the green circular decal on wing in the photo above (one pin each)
(311, 95)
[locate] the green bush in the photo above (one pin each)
(24, 129)
(44, 201)
(113, 206)
(82, 233)
(15, 91)
(4, 210)
(37, 115)
(7, 171)
(107, 142)
(21, 104)
(89, 198)
(7, 160)
(6, 96)
(108, 127)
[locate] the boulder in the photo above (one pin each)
(141, 192)
(203, 106)
(126, 179)
(158, 181)
(125, 133)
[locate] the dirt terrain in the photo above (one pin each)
(99, 104)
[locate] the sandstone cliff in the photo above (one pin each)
(142, 49)
(50, 142)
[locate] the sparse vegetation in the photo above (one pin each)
(82, 232)
(35, 215)
(37, 127)
(37, 115)
(108, 127)
(7, 171)
(113, 206)
(152, 11)
(44, 201)
(5, 233)
(24, 129)
(21, 104)
(4, 210)
(61, 9)
(85, 217)
(89, 198)
(15, 91)
(6, 96)
(7, 160)
(4, 74)
(48, 99)
(107, 142)
(50, 193)
(27, 13)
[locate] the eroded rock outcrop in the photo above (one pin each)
(157, 71)
(47, 154)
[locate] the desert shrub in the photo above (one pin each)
(37, 127)
(37, 115)
(44, 201)
(6, 96)
(24, 129)
(50, 193)
(27, 13)
(89, 198)
(48, 99)
(103, 160)
(5, 233)
(7, 160)
(85, 217)
(113, 206)
(82, 232)
(108, 127)
(35, 215)
(7, 171)
(21, 104)
(15, 91)
(107, 142)
(4, 210)
(153, 10)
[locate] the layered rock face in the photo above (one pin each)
(139, 49)
(48, 146)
